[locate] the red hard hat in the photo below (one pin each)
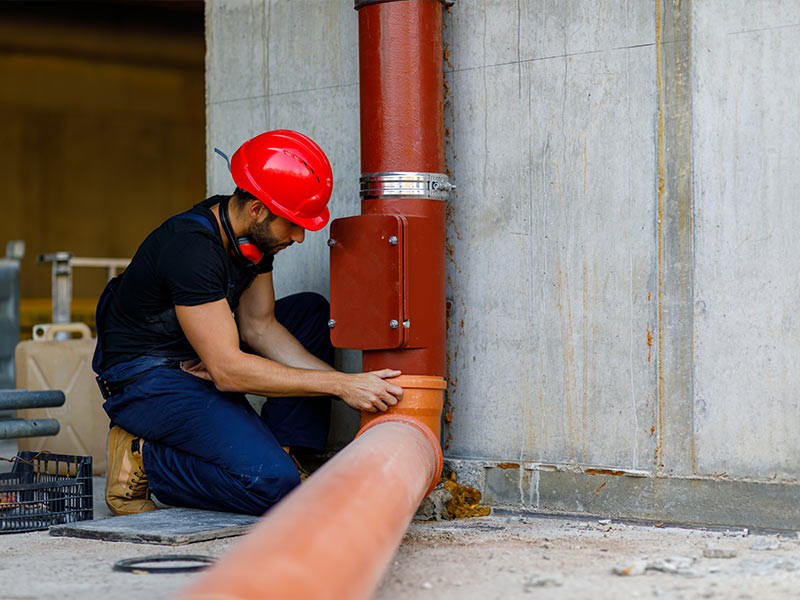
(289, 173)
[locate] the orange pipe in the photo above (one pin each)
(334, 536)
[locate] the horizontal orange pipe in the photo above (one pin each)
(334, 536)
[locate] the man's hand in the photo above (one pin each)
(369, 392)
(197, 368)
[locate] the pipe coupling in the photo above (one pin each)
(406, 184)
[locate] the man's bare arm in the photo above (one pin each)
(212, 332)
(264, 335)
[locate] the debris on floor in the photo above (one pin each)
(539, 580)
(715, 552)
(465, 502)
(672, 564)
(434, 506)
(451, 500)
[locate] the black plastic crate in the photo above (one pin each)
(45, 489)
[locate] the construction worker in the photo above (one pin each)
(192, 325)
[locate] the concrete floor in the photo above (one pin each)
(502, 556)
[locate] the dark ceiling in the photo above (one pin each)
(175, 15)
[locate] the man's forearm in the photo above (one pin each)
(263, 376)
(277, 344)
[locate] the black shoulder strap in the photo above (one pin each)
(100, 319)
(202, 219)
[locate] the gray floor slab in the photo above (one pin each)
(168, 526)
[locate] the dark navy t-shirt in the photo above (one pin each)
(183, 262)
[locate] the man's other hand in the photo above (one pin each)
(197, 368)
(370, 392)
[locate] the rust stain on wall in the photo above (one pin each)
(598, 490)
(508, 465)
(611, 472)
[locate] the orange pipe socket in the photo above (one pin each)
(334, 536)
(423, 399)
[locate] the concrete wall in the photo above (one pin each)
(621, 248)
(747, 252)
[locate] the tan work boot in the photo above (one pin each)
(304, 473)
(127, 492)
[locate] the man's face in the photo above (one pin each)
(274, 233)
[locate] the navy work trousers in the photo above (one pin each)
(211, 450)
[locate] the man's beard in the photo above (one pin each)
(261, 236)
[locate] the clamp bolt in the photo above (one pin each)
(331, 324)
(442, 186)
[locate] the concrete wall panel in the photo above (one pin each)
(553, 159)
(237, 60)
(746, 122)
(550, 28)
(313, 45)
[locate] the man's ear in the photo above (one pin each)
(258, 212)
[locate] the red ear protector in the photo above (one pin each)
(242, 248)
(249, 250)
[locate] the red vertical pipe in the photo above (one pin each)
(402, 129)
(402, 100)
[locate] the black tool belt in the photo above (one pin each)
(111, 388)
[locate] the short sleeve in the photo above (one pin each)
(192, 267)
(265, 266)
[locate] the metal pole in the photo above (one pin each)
(62, 288)
(15, 399)
(17, 428)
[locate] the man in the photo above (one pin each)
(192, 325)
